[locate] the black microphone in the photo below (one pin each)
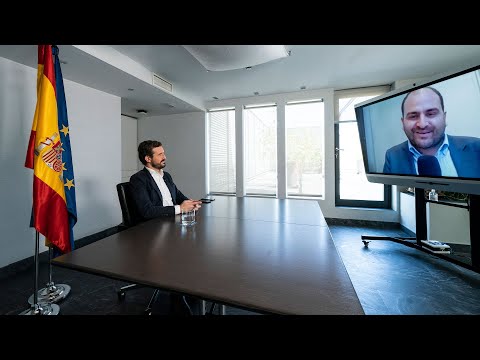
(428, 166)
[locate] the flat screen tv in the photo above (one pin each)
(425, 136)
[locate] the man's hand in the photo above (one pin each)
(190, 204)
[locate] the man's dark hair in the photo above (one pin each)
(427, 87)
(145, 148)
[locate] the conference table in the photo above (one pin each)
(273, 256)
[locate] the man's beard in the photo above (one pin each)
(159, 165)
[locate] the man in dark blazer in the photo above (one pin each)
(424, 123)
(155, 194)
(464, 151)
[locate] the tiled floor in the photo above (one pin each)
(389, 278)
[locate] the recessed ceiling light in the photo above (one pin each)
(248, 68)
(214, 98)
(130, 89)
(141, 111)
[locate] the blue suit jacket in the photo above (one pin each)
(464, 150)
(148, 198)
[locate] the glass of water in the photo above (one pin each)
(188, 217)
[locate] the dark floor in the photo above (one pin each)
(89, 294)
(389, 278)
(394, 279)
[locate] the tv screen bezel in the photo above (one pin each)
(451, 184)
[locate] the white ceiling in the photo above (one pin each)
(116, 68)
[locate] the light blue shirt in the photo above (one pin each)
(442, 155)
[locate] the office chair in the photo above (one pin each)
(129, 219)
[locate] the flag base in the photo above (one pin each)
(51, 294)
(42, 309)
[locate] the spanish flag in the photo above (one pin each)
(49, 155)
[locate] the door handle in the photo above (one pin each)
(337, 151)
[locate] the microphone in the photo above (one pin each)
(428, 166)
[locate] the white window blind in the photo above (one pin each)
(222, 151)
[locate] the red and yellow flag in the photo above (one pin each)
(44, 156)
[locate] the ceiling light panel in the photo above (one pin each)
(231, 57)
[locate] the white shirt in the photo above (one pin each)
(166, 196)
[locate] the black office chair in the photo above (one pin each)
(129, 219)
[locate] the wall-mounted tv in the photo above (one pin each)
(425, 136)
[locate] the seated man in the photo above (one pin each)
(155, 194)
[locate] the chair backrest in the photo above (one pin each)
(129, 213)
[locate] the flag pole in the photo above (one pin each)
(37, 308)
(52, 172)
(51, 293)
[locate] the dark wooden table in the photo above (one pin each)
(266, 255)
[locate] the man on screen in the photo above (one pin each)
(424, 123)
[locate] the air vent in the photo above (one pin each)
(162, 83)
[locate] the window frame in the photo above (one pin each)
(386, 203)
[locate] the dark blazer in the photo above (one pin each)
(464, 150)
(148, 198)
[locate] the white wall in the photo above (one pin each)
(94, 119)
(183, 138)
(407, 211)
(130, 163)
(448, 224)
(444, 223)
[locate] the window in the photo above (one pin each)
(221, 151)
(304, 123)
(268, 149)
(260, 144)
(351, 185)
